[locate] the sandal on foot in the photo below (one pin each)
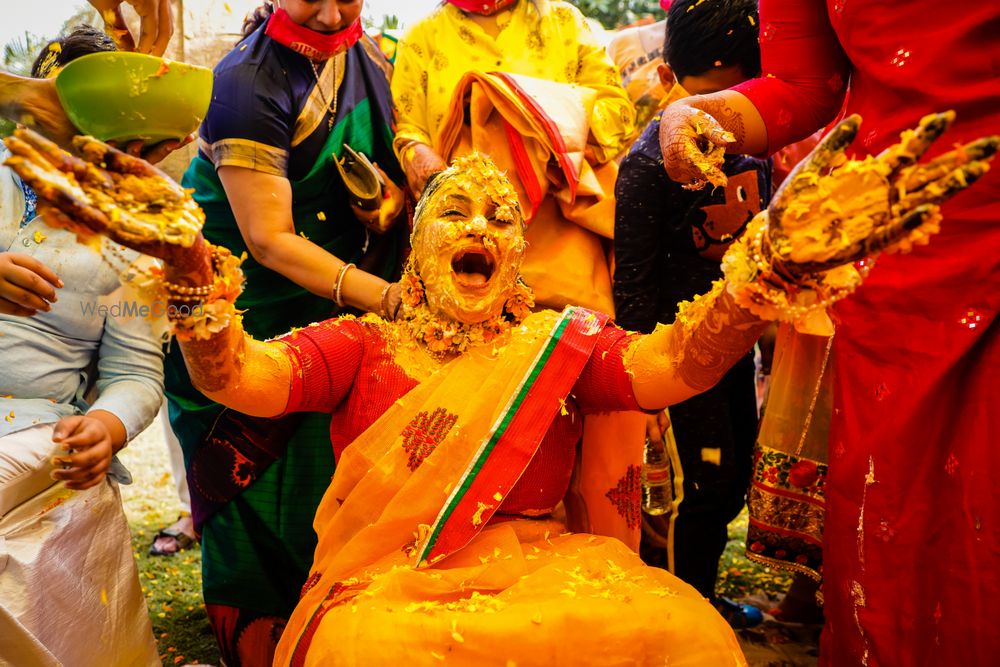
(180, 538)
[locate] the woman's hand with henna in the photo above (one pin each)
(420, 162)
(693, 146)
(833, 210)
(800, 255)
(109, 192)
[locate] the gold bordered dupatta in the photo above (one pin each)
(425, 478)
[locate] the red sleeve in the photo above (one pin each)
(805, 71)
(604, 385)
(325, 360)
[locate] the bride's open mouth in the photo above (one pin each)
(473, 267)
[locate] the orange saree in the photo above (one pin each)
(410, 568)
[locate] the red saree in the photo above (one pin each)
(911, 547)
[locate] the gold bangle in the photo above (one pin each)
(340, 283)
(407, 151)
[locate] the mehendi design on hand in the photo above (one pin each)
(709, 336)
(693, 145)
(804, 253)
(729, 118)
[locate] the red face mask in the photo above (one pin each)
(313, 45)
(482, 7)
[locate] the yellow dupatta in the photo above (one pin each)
(379, 515)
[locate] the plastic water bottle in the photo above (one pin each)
(657, 492)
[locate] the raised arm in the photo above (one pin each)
(225, 364)
(683, 359)
(794, 260)
(805, 74)
(803, 253)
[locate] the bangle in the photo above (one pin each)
(408, 151)
(340, 283)
(384, 303)
(213, 313)
(178, 292)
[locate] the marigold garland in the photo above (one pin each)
(442, 335)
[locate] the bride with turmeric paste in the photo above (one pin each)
(458, 423)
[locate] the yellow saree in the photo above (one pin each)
(409, 569)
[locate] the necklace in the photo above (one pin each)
(331, 105)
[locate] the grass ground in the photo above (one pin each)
(173, 584)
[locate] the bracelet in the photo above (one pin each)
(382, 301)
(176, 290)
(406, 152)
(340, 283)
(218, 308)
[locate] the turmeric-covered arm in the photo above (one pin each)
(224, 363)
(680, 360)
(307, 370)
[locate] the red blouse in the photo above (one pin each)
(348, 371)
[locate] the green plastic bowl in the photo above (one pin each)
(121, 96)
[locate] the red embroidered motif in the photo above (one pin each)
(626, 496)
(422, 435)
(310, 582)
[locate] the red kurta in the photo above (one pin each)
(911, 548)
